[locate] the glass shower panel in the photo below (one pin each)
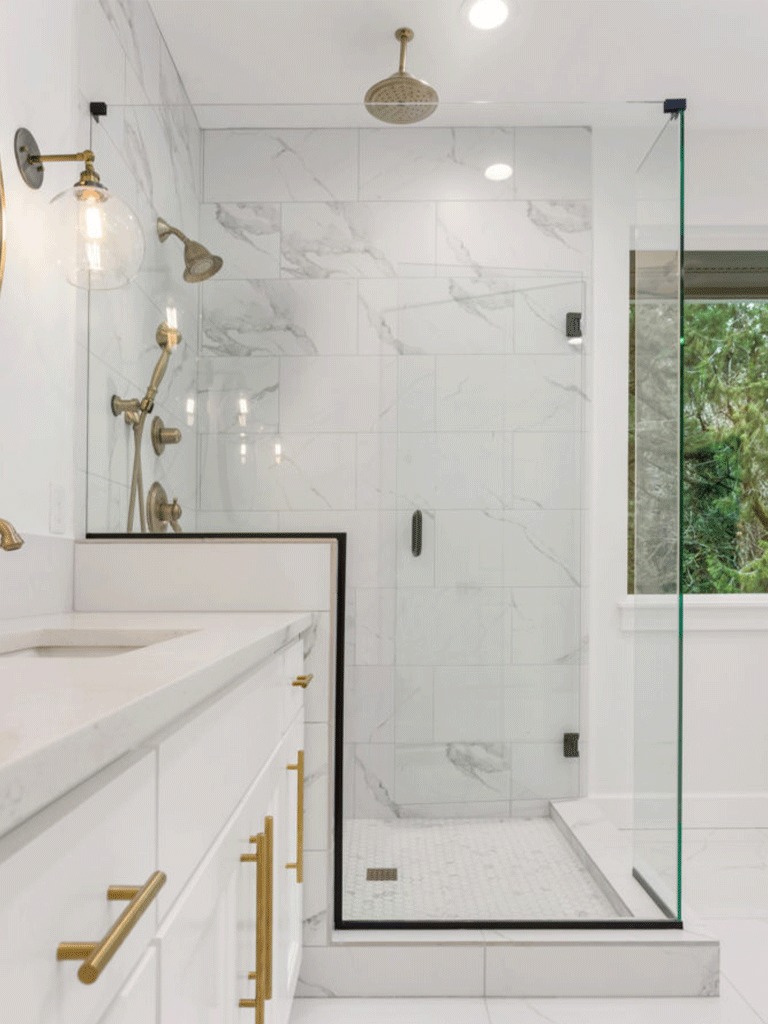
(656, 556)
(487, 602)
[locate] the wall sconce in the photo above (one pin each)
(100, 243)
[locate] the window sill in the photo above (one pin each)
(701, 613)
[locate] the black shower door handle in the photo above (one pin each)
(416, 532)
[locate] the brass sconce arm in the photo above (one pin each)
(30, 161)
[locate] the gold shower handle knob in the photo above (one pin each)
(303, 681)
(162, 435)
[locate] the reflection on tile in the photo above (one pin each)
(279, 166)
(322, 240)
(238, 395)
(435, 163)
(310, 472)
(245, 235)
(242, 318)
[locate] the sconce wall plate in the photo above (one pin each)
(25, 146)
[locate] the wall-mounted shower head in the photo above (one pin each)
(199, 263)
(401, 98)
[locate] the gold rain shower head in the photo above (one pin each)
(401, 98)
(199, 263)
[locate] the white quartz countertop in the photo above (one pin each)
(63, 719)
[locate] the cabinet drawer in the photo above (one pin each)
(206, 766)
(54, 874)
(136, 1002)
(293, 696)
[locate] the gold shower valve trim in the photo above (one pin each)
(303, 681)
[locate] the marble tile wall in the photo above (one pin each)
(387, 334)
(149, 150)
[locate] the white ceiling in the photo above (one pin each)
(257, 62)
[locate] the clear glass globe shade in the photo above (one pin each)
(98, 239)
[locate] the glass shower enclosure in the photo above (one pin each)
(398, 349)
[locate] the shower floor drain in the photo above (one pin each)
(381, 875)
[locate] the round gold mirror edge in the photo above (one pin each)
(2, 228)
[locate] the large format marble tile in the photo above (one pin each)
(541, 307)
(553, 163)
(546, 625)
(546, 471)
(339, 393)
(374, 627)
(369, 704)
(310, 472)
(448, 970)
(537, 235)
(317, 812)
(245, 235)
(469, 704)
(238, 395)
(544, 392)
(542, 548)
(470, 392)
(242, 318)
(456, 772)
(376, 471)
(374, 781)
(540, 772)
(453, 626)
(316, 897)
(323, 240)
(389, 1011)
(371, 541)
(135, 27)
(541, 702)
(470, 548)
(416, 393)
(435, 163)
(451, 470)
(414, 711)
(280, 166)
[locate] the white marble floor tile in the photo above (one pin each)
(389, 1011)
(743, 956)
(729, 1008)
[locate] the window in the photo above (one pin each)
(725, 454)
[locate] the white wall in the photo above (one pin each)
(725, 703)
(39, 311)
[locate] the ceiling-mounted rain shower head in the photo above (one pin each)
(199, 263)
(401, 98)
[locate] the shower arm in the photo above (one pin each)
(405, 35)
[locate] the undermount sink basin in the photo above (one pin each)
(82, 643)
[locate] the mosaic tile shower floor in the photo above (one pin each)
(465, 870)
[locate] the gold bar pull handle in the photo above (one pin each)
(96, 955)
(303, 681)
(269, 837)
(298, 864)
(258, 859)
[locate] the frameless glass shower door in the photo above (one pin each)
(658, 368)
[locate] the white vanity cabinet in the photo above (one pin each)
(186, 804)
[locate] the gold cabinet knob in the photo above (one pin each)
(303, 681)
(96, 955)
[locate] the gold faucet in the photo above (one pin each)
(9, 538)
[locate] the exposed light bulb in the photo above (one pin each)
(93, 256)
(190, 407)
(243, 453)
(278, 453)
(94, 223)
(172, 317)
(242, 405)
(498, 172)
(487, 14)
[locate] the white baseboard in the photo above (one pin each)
(700, 810)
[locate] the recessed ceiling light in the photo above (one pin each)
(498, 172)
(487, 14)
